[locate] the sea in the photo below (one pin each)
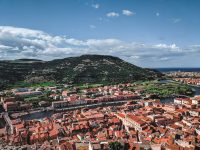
(178, 69)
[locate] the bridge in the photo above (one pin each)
(101, 104)
(9, 125)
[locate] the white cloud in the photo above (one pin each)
(157, 14)
(127, 12)
(176, 20)
(171, 47)
(26, 43)
(112, 14)
(102, 42)
(96, 6)
(194, 48)
(5, 47)
(92, 26)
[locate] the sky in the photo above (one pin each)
(147, 33)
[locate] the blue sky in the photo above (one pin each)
(148, 33)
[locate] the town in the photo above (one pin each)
(99, 75)
(185, 77)
(97, 118)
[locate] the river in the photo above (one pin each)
(2, 123)
(171, 99)
(37, 115)
(41, 115)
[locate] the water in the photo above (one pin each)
(41, 115)
(1, 109)
(167, 100)
(171, 99)
(165, 81)
(197, 90)
(2, 123)
(37, 115)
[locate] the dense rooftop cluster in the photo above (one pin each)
(183, 74)
(193, 81)
(191, 78)
(80, 122)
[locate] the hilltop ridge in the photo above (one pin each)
(82, 69)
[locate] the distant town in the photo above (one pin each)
(93, 117)
(186, 77)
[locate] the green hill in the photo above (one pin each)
(83, 69)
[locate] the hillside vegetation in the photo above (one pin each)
(73, 70)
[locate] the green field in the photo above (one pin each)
(84, 86)
(165, 89)
(25, 84)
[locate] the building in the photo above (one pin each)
(182, 101)
(132, 121)
(8, 99)
(194, 112)
(196, 100)
(11, 106)
(31, 93)
(59, 104)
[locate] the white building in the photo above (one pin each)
(59, 104)
(194, 112)
(196, 100)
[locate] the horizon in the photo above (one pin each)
(100, 55)
(149, 34)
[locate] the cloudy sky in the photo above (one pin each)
(148, 33)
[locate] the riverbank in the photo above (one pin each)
(40, 114)
(2, 123)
